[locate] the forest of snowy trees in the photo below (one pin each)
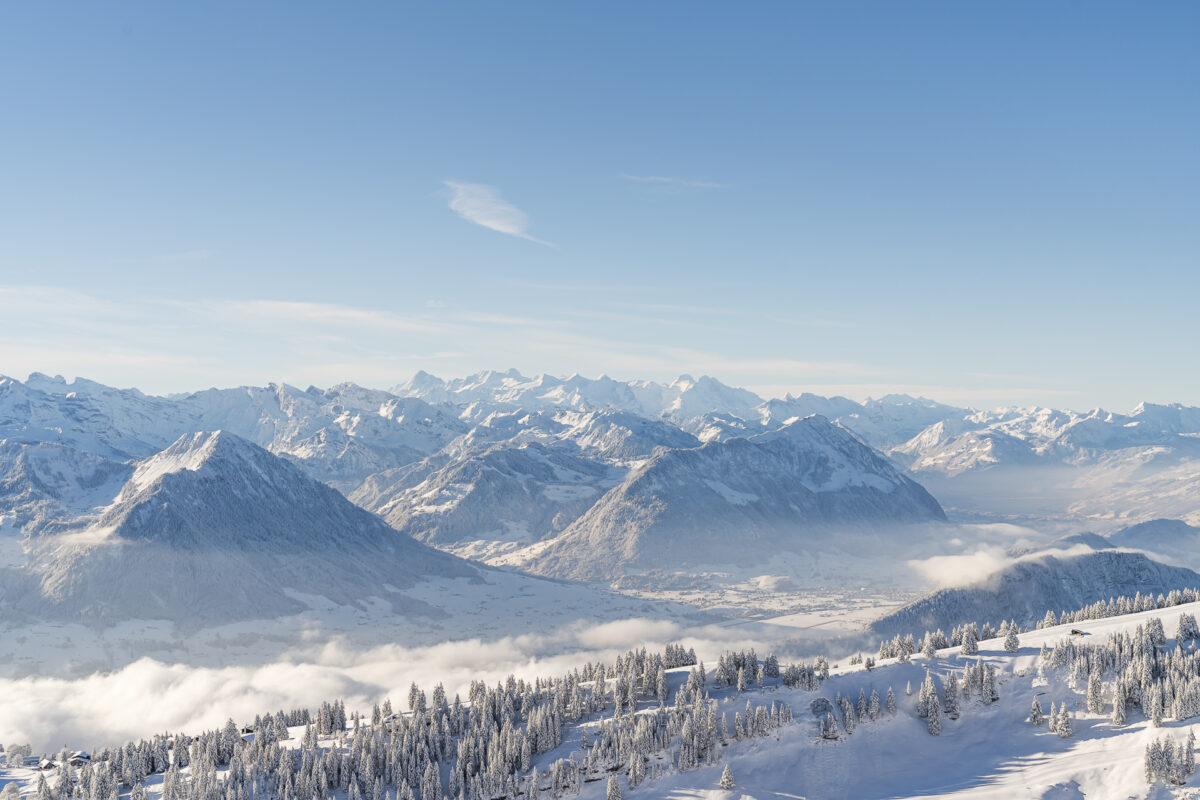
(479, 748)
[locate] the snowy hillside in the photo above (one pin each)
(731, 501)
(1025, 589)
(1105, 714)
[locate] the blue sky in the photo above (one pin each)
(985, 204)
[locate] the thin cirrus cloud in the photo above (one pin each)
(664, 182)
(484, 205)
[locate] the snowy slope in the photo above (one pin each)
(737, 501)
(1025, 589)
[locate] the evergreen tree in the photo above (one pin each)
(935, 718)
(1011, 641)
(952, 707)
(614, 789)
(829, 727)
(1035, 714)
(970, 642)
(1064, 723)
(637, 770)
(891, 702)
(727, 778)
(1095, 697)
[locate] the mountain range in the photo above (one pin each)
(593, 480)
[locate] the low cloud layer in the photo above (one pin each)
(148, 696)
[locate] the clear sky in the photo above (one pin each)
(983, 203)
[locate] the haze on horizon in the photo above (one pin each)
(981, 205)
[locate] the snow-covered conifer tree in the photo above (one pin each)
(970, 643)
(1035, 714)
(891, 702)
(1012, 642)
(952, 707)
(1064, 729)
(614, 789)
(726, 778)
(1095, 696)
(828, 727)
(935, 717)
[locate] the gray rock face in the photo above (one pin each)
(731, 501)
(1026, 589)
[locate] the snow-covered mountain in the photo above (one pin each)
(484, 500)
(1170, 539)
(733, 501)
(1025, 589)
(884, 422)
(516, 478)
(495, 461)
(215, 551)
(1021, 437)
(215, 529)
(681, 399)
(340, 435)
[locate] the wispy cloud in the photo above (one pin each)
(665, 182)
(484, 205)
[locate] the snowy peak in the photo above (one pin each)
(733, 501)
(205, 450)
(215, 528)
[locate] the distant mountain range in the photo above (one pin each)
(572, 477)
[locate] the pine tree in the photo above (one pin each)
(1064, 723)
(1095, 697)
(1035, 714)
(829, 727)
(952, 708)
(727, 778)
(1118, 713)
(614, 789)
(935, 718)
(970, 643)
(1011, 641)
(637, 770)
(891, 702)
